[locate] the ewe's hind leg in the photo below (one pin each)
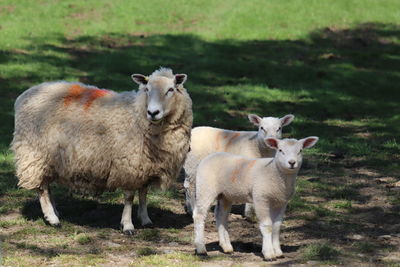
(142, 210)
(47, 204)
(222, 210)
(126, 220)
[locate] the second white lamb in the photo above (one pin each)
(208, 140)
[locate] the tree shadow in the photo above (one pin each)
(92, 213)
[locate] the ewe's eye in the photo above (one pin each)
(146, 89)
(170, 90)
(279, 129)
(301, 150)
(280, 150)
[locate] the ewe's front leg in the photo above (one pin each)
(278, 217)
(48, 207)
(126, 220)
(264, 217)
(142, 211)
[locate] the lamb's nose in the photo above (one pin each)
(154, 113)
(292, 162)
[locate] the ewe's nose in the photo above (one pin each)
(291, 163)
(153, 113)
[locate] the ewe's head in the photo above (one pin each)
(162, 89)
(270, 126)
(289, 154)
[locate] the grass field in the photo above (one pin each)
(335, 65)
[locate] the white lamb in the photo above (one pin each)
(268, 183)
(208, 140)
(92, 140)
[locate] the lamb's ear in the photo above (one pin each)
(287, 119)
(253, 118)
(271, 142)
(309, 141)
(180, 79)
(139, 79)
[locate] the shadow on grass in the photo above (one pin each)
(91, 213)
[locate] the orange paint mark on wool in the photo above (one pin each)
(236, 171)
(94, 94)
(217, 141)
(240, 170)
(77, 92)
(234, 136)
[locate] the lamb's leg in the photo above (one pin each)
(199, 216)
(49, 212)
(222, 210)
(264, 216)
(249, 213)
(278, 217)
(126, 220)
(142, 210)
(189, 196)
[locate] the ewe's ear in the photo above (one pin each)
(287, 119)
(180, 79)
(271, 142)
(254, 119)
(309, 141)
(139, 79)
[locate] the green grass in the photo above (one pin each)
(322, 252)
(82, 239)
(335, 65)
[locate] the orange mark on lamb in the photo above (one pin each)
(77, 92)
(217, 141)
(234, 136)
(240, 170)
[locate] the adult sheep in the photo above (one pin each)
(93, 140)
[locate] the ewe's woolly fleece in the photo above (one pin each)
(108, 145)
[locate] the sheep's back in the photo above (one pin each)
(71, 132)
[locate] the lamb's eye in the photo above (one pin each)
(279, 129)
(146, 89)
(262, 128)
(301, 150)
(170, 90)
(280, 150)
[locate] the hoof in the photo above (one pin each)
(148, 225)
(56, 225)
(129, 232)
(203, 254)
(280, 257)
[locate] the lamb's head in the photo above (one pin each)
(289, 154)
(162, 88)
(270, 126)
